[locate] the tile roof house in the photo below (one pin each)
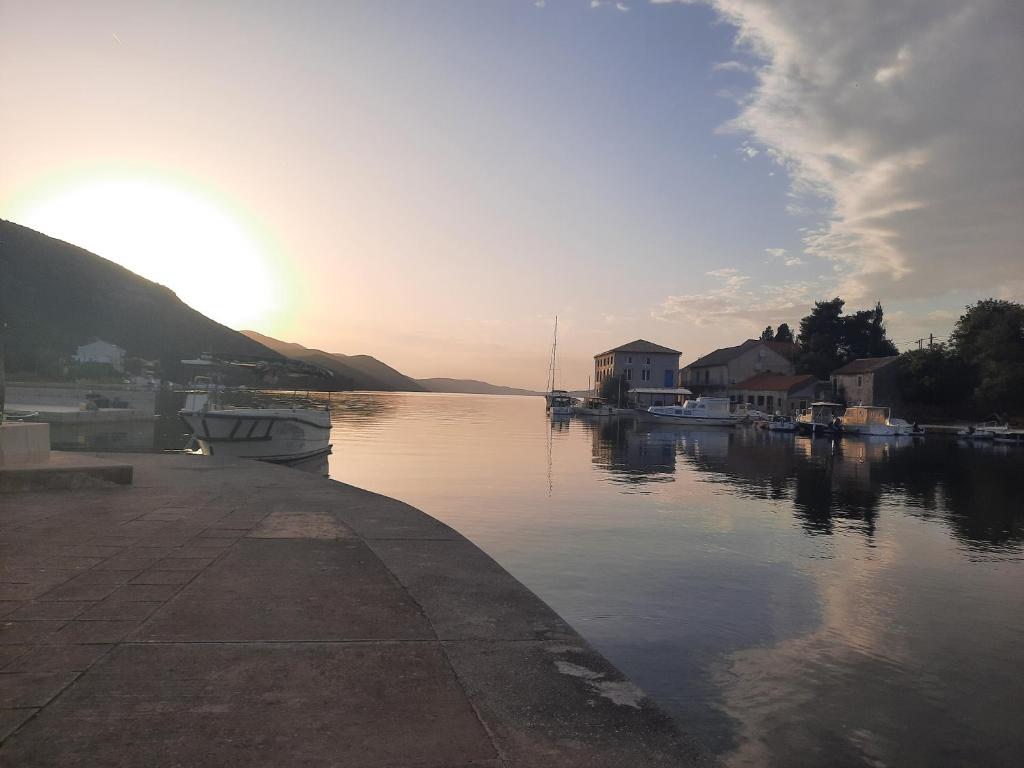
(717, 371)
(784, 393)
(868, 381)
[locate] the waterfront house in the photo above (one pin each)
(778, 392)
(101, 352)
(867, 381)
(718, 371)
(641, 364)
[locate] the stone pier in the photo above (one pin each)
(230, 613)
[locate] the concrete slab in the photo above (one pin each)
(259, 705)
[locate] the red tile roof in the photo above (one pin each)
(775, 382)
(865, 365)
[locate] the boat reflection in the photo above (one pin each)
(829, 482)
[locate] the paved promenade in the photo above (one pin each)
(221, 613)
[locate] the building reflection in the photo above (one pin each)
(828, 482)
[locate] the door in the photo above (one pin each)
(670, 379)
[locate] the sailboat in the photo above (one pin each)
(559, 402)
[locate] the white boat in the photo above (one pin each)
(987, 430)
(780, 423)
(558, 401)
(822, 418)
(874, 420)
(277, 435)
(591, 406)
(705, 411)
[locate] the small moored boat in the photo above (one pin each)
(780, 423)
(822, 418)
(705, 411)
(874, 420)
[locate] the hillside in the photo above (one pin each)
(55, 296)
(471, 387)
(351, 371)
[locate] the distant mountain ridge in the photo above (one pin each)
(471, 387)
(350, 371)
(56, 296)
(369, 373)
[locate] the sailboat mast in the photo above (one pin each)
(551, 365)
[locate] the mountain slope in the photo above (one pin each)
(471, 387)
(351, 371)
(56, 296)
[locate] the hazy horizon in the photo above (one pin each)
(430, 184)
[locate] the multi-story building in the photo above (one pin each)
(717, 371)
(101, 352)
(640, 363)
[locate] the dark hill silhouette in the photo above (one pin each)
(471, 387)
(350, 371)
(55, 296)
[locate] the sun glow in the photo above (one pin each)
(166, 232)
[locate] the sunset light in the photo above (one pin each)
(169, 233)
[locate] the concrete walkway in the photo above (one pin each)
(228, 613)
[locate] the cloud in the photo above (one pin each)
(899, 126)
(730, 66)
(540, 3)
(775, 253)
(622, 7)
(733, 305)
(793, 261)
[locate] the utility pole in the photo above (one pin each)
(931, 340)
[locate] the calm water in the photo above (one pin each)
(793, 602)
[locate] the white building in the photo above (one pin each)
(101, 352)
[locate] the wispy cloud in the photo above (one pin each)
(775, 253)
(906, 123)
(730, 66)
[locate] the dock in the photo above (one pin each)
(222, 612)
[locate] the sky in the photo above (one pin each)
(432, 183)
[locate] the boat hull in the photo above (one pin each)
(277, 435)
(690, 421)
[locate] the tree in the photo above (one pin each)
(935, 377)
(783, 333)
(768, 334)
(821, 339)
(828, 339)
(989, 338)
(615, 389)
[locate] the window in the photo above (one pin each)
(629, 374)
(629, 359)
(858, 381)
(760, 399)
(707, 376)
(645, 375)
(648, 361)
(803, 405)
(750, 399)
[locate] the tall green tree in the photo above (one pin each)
(615, 389)
(783, 333)
(768, 334)
(936, 377)
(989, 337)
(821, 340)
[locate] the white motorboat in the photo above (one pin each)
(705, 411)
(988, 430)
(874, 420)
(591, 406)
(277, 435)
(822, 418)
(780, 423)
